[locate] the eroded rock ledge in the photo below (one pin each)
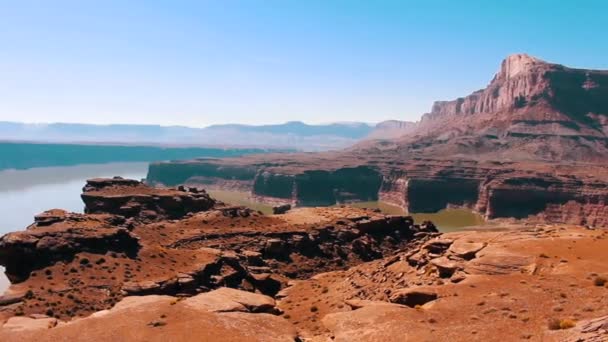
(138, 240)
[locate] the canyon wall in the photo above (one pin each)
(495, 191)
(529, 91)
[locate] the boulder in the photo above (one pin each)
(266, 283)
(275, 247)
(445, 266)
(281, 209)
(49, 217)
(214, 302)
(253, 258)
(457, 277)
(438, 246)
(466, 250)
(417, 259)
(253, 302)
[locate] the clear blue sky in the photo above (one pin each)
(203, 62)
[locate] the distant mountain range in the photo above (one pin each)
(294, 134)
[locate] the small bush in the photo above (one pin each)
(560, 324)
(553, 324)
(600, 281)
(566, 324)
(314, 309)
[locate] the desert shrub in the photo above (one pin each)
(557, 324)
(600, 281)
(566, 324)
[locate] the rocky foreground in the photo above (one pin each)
(175, 264)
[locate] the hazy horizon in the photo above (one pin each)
(197, 64)
(371, 124)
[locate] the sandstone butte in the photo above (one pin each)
(173, 264)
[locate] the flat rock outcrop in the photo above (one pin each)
(160, 318)
(133, 199)
(57, 236)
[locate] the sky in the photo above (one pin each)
(197, 63)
